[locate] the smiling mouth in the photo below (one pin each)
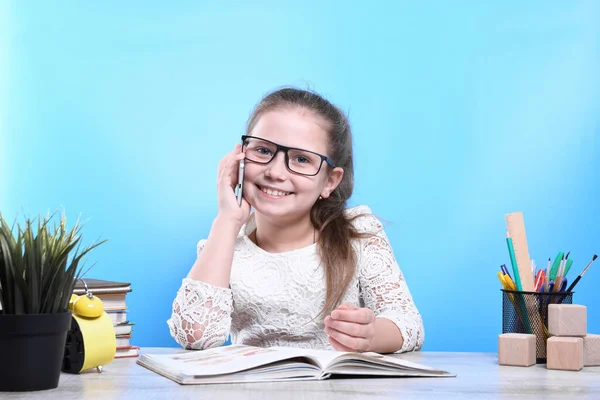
(273, 192)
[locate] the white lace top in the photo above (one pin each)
(273, 298)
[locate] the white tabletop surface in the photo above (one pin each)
(478, 377)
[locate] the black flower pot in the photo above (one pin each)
(32, 348)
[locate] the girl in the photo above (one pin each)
(300, 270)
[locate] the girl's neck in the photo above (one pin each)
(276, 237)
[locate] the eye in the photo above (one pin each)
(302, 160)
(263, 151)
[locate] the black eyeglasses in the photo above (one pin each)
(299, 161)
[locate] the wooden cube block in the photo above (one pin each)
(567, 320)
(516, 349)
(591, 350)
(565, 353)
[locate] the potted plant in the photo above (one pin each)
(39, 265)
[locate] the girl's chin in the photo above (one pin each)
(277, 206)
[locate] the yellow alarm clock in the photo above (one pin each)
(91, 341)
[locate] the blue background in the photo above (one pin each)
(461, 113)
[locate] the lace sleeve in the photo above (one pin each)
(383, 287)
(201, 316)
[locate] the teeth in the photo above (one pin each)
(274, 192)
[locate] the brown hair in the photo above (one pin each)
(327, 215)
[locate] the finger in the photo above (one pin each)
(348, 306)
(337, 345)
(221, 166)
(239, 150)
(350, 328)
(357, 344)
(360, 316)
(226, 173)
(227, 159)
(231, 167)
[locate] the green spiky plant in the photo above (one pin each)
(38, 271)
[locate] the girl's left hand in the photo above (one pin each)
(350, 328)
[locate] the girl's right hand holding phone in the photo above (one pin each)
(213, 264)
(227, 179)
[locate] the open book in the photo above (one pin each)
(239, 363)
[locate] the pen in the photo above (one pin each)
(582, 273)
(555, 265)
(568, 265)
(539, 280)
(542, 288)
(505, 270)
(548, 272)
(502, 278)
(510, 283)
(519, 308)
(557, 283)
(513, 261)
(561, 267)
(506, 282)
(559, 276)
(563, 264)
(563, 285)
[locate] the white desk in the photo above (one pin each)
(478, 377)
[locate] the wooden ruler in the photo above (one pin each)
(515, 225)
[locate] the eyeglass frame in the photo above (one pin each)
(285, 150)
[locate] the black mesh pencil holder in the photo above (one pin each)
(527, 312)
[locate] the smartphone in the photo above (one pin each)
(240, 185)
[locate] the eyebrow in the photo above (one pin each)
(289, 147)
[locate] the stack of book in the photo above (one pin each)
(113, 295)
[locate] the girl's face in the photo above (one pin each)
(272, 189)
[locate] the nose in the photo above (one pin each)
(277, 169)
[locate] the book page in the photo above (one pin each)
(379, 360)
(277, 371)
(324, 358)
(220, 360)
(331, 360)
(375, 363)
